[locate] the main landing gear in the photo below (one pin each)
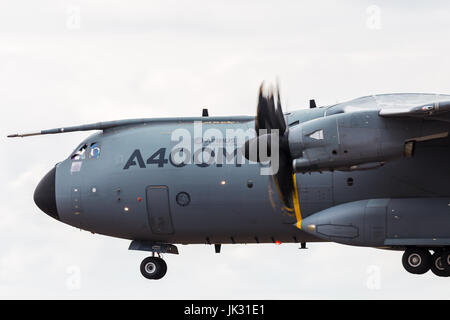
(420, 261)
(153, 268)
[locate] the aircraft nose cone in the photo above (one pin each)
(44, 195)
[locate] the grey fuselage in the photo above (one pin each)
(227, 203)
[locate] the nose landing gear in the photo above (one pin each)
(420, 261)
(153, 268)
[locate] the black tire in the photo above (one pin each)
(153, 268)
(417, 260)
(437, 267)
(446, 258)
(163, 269)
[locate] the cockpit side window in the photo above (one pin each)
(80, 154)
(94, 152)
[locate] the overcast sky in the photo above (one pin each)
(74, 62)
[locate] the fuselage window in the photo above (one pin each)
(80, 154)
(94, 152)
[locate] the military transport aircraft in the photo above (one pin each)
(369, 172)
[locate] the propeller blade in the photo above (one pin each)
(279, 114)
(260, 122)
(283, 179)
(272, 119)
(252, 145)
(269, 115)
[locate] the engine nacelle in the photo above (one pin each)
(384, 223)
(354, 140)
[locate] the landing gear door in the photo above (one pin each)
(158, 209)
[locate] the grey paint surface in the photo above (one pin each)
(231, 212)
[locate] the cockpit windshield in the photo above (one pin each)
(80, 154)
(92, 150)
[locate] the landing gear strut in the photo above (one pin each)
(153, 268)
(420, 261)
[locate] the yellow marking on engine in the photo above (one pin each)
(298, 214)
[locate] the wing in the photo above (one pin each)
(439, 111)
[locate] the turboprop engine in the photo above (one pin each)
(342, 138)
(354, 141)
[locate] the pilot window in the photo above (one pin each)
(94, 152)
(80, 154)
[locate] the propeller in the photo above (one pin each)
(269, 116)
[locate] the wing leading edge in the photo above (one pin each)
(431, 111)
